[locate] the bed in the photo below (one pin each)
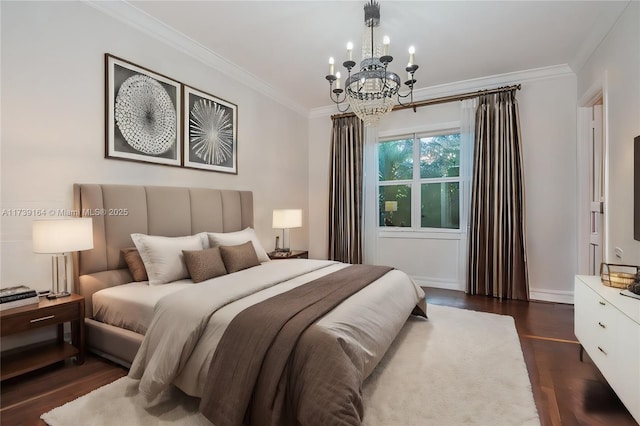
(174, 333)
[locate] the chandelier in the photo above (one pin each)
(373, 91)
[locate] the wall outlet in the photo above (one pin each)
(618, 251)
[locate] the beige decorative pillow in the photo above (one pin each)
(204, 264)
(135, 263)
(239, 237)
(162, 256)
(237, 258)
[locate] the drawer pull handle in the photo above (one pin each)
(601, 302)
(601, 324)
(602, 350)
(42, 319)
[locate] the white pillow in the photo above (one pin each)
(162, 256)
(205, 240)
(237, 238)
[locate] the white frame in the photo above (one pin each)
(599, 90)
(417, 181)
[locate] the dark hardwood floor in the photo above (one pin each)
(566, 391)
(23, 399)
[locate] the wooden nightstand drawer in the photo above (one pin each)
(50, 315)
(46, 313)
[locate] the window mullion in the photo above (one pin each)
(441, 179)
(395, 182)
(415, 186)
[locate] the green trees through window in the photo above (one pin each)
(432, 189)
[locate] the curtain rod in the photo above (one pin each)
(443, 99)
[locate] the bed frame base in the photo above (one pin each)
(113, 343)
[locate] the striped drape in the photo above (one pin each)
(497, 250)
(345, 190)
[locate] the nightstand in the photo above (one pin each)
(46, 313)
(293, 254)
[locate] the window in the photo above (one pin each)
(419, 181)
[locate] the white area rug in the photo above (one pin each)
(458, 367)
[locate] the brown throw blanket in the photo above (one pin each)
(258, 376)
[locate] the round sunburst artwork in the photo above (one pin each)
(211, 132)
(145, 115)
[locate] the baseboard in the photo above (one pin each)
(540, 294)
(547, 295)
(436, 283)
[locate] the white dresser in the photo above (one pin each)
(607, 324)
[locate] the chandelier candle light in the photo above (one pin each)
(373, 91)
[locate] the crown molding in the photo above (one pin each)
(142, 21)
(482, 83)
(493, 81)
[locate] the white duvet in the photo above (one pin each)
(188, 324)
(131, 306)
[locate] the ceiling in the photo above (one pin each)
(285, 45)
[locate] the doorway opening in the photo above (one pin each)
(592, 184)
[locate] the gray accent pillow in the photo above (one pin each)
(237, 258)
(204, 264)
(135, 264)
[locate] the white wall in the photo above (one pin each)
(548, 122)
(53, 126)
(319, 163)
(615, 66)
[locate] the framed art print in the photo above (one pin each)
(143, 113)
(210, 132)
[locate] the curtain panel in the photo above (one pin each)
(497, 249)
(345, 190)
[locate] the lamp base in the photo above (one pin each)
(59, 277)
(58, 295)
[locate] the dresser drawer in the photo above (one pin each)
(606, 324)
(50, 315)
(626, 381)
(595, 327)
(594, 316)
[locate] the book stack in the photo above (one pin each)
(13, 297)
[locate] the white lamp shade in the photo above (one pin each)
(287, 218)
(62, 235)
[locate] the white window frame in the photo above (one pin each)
(415, 229)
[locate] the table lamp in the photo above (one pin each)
(389, 208)
(286, 219)
(59, 237)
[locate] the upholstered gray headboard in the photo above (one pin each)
(120, 210)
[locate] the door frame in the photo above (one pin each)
(597, 92)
